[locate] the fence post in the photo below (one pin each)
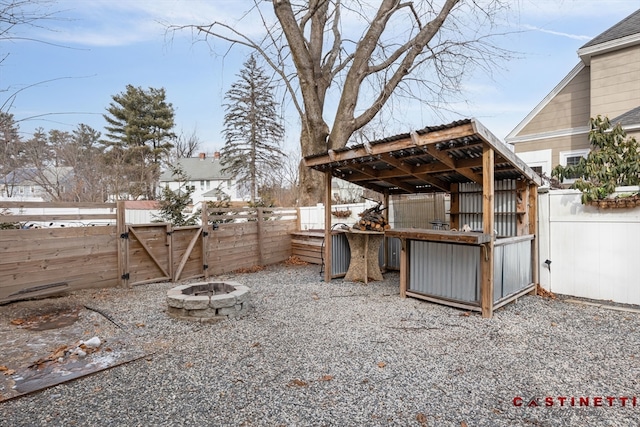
(205, 239)
(123, 244)
(260, 237)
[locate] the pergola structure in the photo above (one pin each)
(440, 159)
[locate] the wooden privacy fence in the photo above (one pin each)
(59, 251)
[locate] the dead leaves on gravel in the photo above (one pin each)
(297, 382)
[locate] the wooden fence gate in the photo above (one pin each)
(146, 254)
(158, 252)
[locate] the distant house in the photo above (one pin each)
(206, 177)
(32, 184)
(605, 82)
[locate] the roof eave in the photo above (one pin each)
(586, 53)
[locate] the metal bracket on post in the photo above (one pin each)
(124, 235)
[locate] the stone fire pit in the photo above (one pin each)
(208, 301)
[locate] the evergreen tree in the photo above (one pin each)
(139, 130)
(613, 162)
(252, 130)
(10, 149)
(174, 202)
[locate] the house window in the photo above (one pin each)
(201, 185)
(208, 184)
(572, 158)
(537, 169)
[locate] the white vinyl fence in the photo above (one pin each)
(593, 252)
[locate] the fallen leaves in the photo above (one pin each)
(315, 296)
(422, 419)
(465, 314)
(6, 370)
(297, 383)
(545, 293)
(326, 378)
(294, 260)
(381, 365)
(252, 269)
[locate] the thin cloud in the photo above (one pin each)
(557, 33)
(108, 23)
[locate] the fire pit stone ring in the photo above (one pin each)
(208, 301)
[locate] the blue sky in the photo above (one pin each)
(94, 48)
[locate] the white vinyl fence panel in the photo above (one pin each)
(594, 252)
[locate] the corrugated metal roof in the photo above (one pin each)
(427, 160)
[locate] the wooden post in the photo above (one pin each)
(386, 220)
(404, 265)
(522, 211)
(123, 243)
(169, 245)
(260, 237)
(454, 209)
(298, 220)
(204, 221)
(327, 226)
(533, 229)
(488, 208)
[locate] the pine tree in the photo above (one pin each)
(140, 124)
(252, 130)
(174, 202)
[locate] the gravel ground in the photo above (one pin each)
(308, 353)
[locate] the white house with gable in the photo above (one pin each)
(206, 177)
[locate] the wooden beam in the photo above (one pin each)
(123, 244)
(439, 235)
(488, 208)
(366, 170)
(149, 252)
(443, 157)
(533, 229)
(454, 207)
(404, 267)
(204, 220)
(185, 256)
(385, 215)
(408, 169)
(503, 151)
(428, 138)
(327, 226)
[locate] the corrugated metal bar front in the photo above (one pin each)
(393, 249)
(505, 218)
(446, 270)
(340, 254)
(512, 268)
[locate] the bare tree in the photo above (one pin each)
(186, 145)
(345, 59)
(16, 15)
